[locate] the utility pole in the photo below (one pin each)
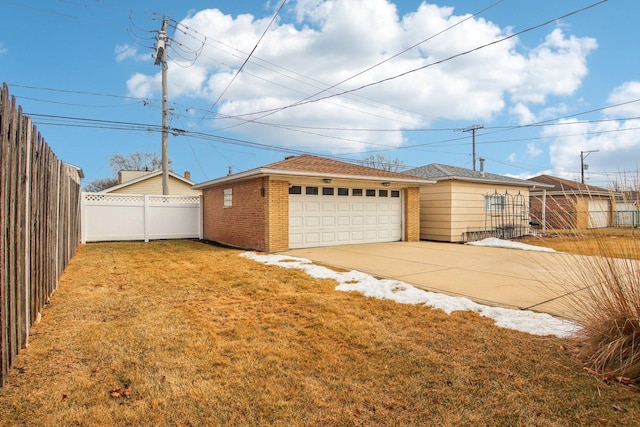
(161, 59)
(582, 165)
(472, 129)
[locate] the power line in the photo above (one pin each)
(467, 52)
(249, 56)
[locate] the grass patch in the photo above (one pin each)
(184, 333)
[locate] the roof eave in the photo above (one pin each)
(529, 184)
(259, 172)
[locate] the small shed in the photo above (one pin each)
(467, 205)
(571, 205)
(310, 201)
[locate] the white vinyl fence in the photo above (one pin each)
(117, 217)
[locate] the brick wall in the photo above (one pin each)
(412, 214)
(277, 227)
(561, 211)
(243, 224)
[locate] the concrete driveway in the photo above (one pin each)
(510, 278)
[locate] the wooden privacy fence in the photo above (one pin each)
(117, 217)
(39, 222)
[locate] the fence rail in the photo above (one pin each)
(39, 222)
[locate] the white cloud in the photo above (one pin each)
(616, 141)
(533, 150)
(513, 157)
(125, 51)
(327, 45)
(556, 67)
(3, 49)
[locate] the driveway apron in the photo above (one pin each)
(511, 278)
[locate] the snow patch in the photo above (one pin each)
(404, 293)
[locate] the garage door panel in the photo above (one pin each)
(343, 221)
(371, 220)
(357, 207)
(343, 237)
(328, 207)
(319, 220)
(598, 213)
(311, 221)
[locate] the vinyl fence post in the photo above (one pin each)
(145, 212)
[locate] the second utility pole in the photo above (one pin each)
(161, 59)
(473, 130)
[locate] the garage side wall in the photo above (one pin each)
(435, 212)
(243, 224)
(452, 209)
(277, 194)
(412, 214)
(560, 211)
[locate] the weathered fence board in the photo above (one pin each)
(39, 225)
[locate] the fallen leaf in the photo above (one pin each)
(114, 394)
(619, 408)
(357, 412)
(64, 396)
(603, 420)
(127, 392)
(624, 380)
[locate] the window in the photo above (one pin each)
(312, 191)
(295, 189)
(383, 193)
(327, 191)
(494, 202)
(343, 191)
(356, 192)
(228, 197)
(395, 193)
(371, 193)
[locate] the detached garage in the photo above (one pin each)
(571, 205)
(310, 201)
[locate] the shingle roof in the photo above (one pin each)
(310, 165)
(564, 185)
(440, 172)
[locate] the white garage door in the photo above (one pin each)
(598, 213)
(327, 216)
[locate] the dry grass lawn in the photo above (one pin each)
(180, 333)
(614, 242)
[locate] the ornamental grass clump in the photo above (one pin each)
(608, 308)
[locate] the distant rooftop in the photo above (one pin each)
(440, 172)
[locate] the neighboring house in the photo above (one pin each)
(569, 204)
(466, 205)
(310, 201)
(150, 182)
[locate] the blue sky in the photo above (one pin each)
(397, 79)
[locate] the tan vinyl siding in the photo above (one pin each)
(154, 186)
(450, 208)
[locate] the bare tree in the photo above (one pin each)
(100, 184)
(378, 161)
(137, 161)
